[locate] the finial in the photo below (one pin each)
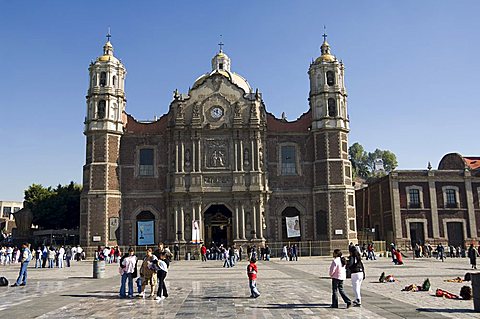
(429, 166)
(221, 44)
(109, 35)
(324, 33)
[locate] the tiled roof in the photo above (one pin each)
(472, 162)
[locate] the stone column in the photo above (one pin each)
(194, 159)
(433, 207)
(241, 155)
(235, 166)
(242, 209)
(471, 210)
(237, 226)
(182, 156)
(199, 167)
(396, 211)
(253, 152)
(254, 223)
(200, 221)
(182, 224)
(176, 157)
(176, 224)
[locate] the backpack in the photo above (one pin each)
(426, 285)
(3, 282)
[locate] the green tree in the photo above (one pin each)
(363, 162)
(54, 208)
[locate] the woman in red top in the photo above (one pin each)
(398, 254)
(203, 251)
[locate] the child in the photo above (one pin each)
(252, 278)
(338, 274)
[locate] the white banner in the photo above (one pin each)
(195, 232)
(145, 232)
(293, 226)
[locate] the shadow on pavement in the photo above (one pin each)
(93, 296)
(225, 297)
(295, 306)
(447, 310)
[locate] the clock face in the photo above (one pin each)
(216, 112)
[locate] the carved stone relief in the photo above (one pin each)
(217, 153)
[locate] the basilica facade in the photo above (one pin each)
(217, 166)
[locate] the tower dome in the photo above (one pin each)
(326, 55)
(221, 65)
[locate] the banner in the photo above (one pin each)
(195, 232)
(145, 232)
(293, 226)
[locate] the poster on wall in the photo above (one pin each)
(195, 232)
(293, 226)
(145, 232)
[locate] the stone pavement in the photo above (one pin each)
(207, 290)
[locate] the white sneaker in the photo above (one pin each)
(157, 298)
(162, 297)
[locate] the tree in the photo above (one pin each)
(363, 163)
(54, 208)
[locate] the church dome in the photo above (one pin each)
(221, 66)
(107, 53)
(326, 55)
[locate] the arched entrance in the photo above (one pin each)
(218, 225)
(145, 228)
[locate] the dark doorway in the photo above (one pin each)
(218, 225)
(291, 212)
(417, 235)
(455, 234)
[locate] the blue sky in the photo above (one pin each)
(412, 70)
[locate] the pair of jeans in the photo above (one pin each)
(38, 263)
(253, 288)
(357, 279)
(51, 263)
(68, 261)
(22, 276)
(60, 262)
(125, 277)
(162, 288)
(337, 286)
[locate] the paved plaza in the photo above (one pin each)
(207, 290)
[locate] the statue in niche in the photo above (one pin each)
(180, 111)
(187, 157)
(195, 111)
(246, 156)
(217, 159)
(237, 110)
(260, 151)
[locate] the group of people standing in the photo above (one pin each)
(50, 256)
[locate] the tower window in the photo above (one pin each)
(330, 78)
(103, 79)
(114, 81)
(220, 66)
(146, 162)
(101, 109)
(289, 162)
(332, 108)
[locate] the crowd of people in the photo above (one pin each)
(45, 256)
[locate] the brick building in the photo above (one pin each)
(409, 206)
(217, 166)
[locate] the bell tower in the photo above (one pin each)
(334, 200)
(101, 196)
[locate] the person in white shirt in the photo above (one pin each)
(74, 252)
(161, 274)
(61, 253)
(128, 266)
(79, 253)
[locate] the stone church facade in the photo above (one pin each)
(216, 167)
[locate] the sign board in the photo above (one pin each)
(145, 232)
(97, 238)
(338, 231)
(195, 232)
(293, 226)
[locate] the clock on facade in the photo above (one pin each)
(216, 112)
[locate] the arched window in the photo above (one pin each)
(332, 108)
(330, 78)
(103, 79)
(101, 109)
(114, 81)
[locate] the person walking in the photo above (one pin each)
(338, 274)
(68, 255)
(61, 253)
(38, 257)
(440, 252)
(26, 256)
(357, 275)
(252, 271)
(203, 251)
(128, 271)
(284, 253)
(472, 255)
